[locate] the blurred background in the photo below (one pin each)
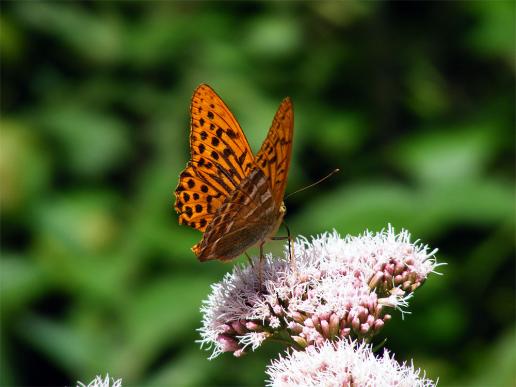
(414, 102)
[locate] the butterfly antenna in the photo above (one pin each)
(313, 184)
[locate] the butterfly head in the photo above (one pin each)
(282, 210)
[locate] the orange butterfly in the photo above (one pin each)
(234, 198)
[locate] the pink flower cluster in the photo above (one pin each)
(343, 288)
(342, 363)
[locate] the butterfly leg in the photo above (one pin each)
(249, 259)
(293, 265)
(260, 266)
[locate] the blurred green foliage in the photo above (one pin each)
(414, 102)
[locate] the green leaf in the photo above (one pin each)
(446, 155)
(21, 151)
(68, 347)
(178, 371)
(494, 366)
(162, 314)
(92, 142)
(425, 212)
(21, 281)
(80, 222)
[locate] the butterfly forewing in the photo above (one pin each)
(216, 135)
(275, 154)
(219, 156)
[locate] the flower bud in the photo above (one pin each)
(300, 341)
(334, 325)
(228, 344)
(325, 328)
(238, 327)
(253, 326)
(378, 325)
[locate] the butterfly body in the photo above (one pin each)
(233, 197)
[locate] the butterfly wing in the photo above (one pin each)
(220, 158)
(243, 220)
(252, 213)
(276, 151)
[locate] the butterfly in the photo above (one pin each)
(232, 196)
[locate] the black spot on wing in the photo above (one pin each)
(242, 157)
(231, 133)
(188, 211)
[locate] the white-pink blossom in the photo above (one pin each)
(100, 381)
(342, 288)
(343, 363)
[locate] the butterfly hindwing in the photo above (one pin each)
(243, 220)
(276, 151)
